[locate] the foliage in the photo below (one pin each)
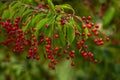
(64, 30)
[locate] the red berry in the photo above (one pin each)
(34, 29)
(95, 40)
(89, 26)
(46, 25)
(35, 48)
(83, 26)
(72, 52)
(40, 6)
(95, 61)
(47, 6)
(88, 34)
(96, 33)
(89, 17)
(48, 46)
(37, 57)
(97, 26)
(72, 64)
(56, 48)
(56, 35)
(47, 39)
(83, 18)
(28, 56)
(65, 51)
(94, 30)
(62, 22)
(107, 39)
(87, 21)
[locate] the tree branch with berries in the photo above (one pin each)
(48, 30)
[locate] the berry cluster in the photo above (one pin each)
(92, 32)
(18, 41)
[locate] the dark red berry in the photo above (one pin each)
(56, 35)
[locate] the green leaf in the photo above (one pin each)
(86, 32)
(70, 33)
(12, 3)
(48, 31)
(6, 14)
(15, 8)
(41, 24)
(27, 12)
(77, 24)
(108, 16)
(36, 18)
(26, 27)
(65, 6)
(62, 37)
(21, 10)
(51, 6)
(2, 6)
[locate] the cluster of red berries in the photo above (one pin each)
(18, 41)
(46, 6)
(92, 32)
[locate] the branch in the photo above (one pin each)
(77, 18)
(36, 8)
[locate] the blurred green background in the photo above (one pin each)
(106, 13)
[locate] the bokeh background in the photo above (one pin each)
(106, 13)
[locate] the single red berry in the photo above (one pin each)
(32, 35)
(87, 21)
(62, 22)
(47, 6)
(88, 34)
(83, 18)
(19, 31)
(47, 39)
(34, 29)
(95, 40)
(107, 39)
(72, 56)
(28, 56)
(89, 17)
(65, 51)
(37, 57)
(95, 61)
(85, 46)
(89, 26)
(94, 30)
(83, 26)
(92, 24)
(76, 32)
(48, 46)
(35, 48)
(72, 64)
(96, 33)
(46, 25)
(40, 6)
(72, 52)
(56, 48)
(56, 35)
(58, 11)
(101, 43)
(97, 26)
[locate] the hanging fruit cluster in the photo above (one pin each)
(47, 29)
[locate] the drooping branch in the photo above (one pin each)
(37, 9)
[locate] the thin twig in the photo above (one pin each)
(36, 8)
